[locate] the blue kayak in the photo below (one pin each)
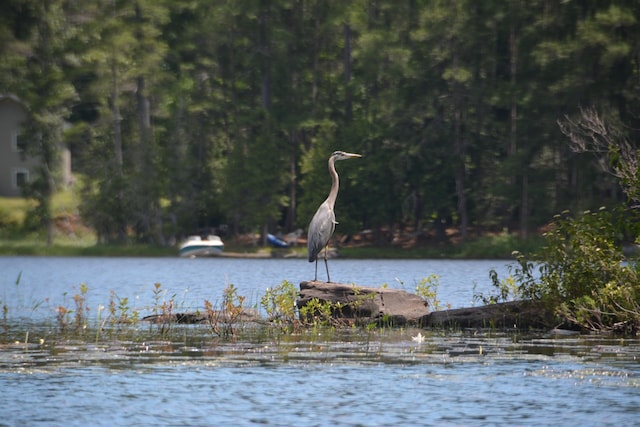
(275, 242)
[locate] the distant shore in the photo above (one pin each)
(496, 247)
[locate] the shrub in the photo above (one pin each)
(427, 289)
(280, 304)
(582, 273)
(225, 321)
(317, 313)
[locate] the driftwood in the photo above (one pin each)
(247, 315)
(506, 315)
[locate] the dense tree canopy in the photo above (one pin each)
(184, 115)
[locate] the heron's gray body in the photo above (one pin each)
(323, 222)
(321, 229)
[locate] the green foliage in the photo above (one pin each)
(163, 310)
(354, 307)
(579, 254)
(74, 318)
(225, 321)
(317, 313)
(8, 227)
(187, 115)
(120, 314)
(356, 310)
(428, 290)
(507, 288)
(280, 304)
(48, 95)
(582, 273)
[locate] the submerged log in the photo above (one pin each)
(246, 315)
(360, 304)
(507, 315)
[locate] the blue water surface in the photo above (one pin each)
(363, 378)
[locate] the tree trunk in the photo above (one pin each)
(150, 210)
(115, 113)
(290, 220)
(512, 149)
(348, 107)
(524, 205)
(265, 57)
(459, 144)
(315, 71)
(151, 215)
(461, 169)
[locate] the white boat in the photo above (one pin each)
(196, 246)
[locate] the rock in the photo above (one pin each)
(396, 307)
(351, 304)
(358, 304)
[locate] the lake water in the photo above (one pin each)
(46, 282)
(341, 378)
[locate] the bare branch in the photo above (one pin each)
(590, 133)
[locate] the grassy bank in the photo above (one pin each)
(61, 247)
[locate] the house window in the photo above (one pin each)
(18, 142)
(20, 177)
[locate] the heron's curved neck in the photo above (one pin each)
(335, 182)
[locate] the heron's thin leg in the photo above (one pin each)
(326, 264)
(316, 279)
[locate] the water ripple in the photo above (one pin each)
(351, 379)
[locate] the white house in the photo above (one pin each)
(15, 168)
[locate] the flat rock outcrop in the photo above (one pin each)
(363, 304)
(358, 304)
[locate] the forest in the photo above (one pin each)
(191, 115)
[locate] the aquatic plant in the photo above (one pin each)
(120, 313)
(63, 313)
(62, 316)
(99, 323)
(80, 299)
(427, 289)
(280, 305)
(225, 321)
(5, 315)
(507, 289)
(353, 308)
(317, 313)
(157, 294)
(163, 311)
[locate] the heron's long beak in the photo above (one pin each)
(353, 155)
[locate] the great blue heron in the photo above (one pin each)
(324, 221)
